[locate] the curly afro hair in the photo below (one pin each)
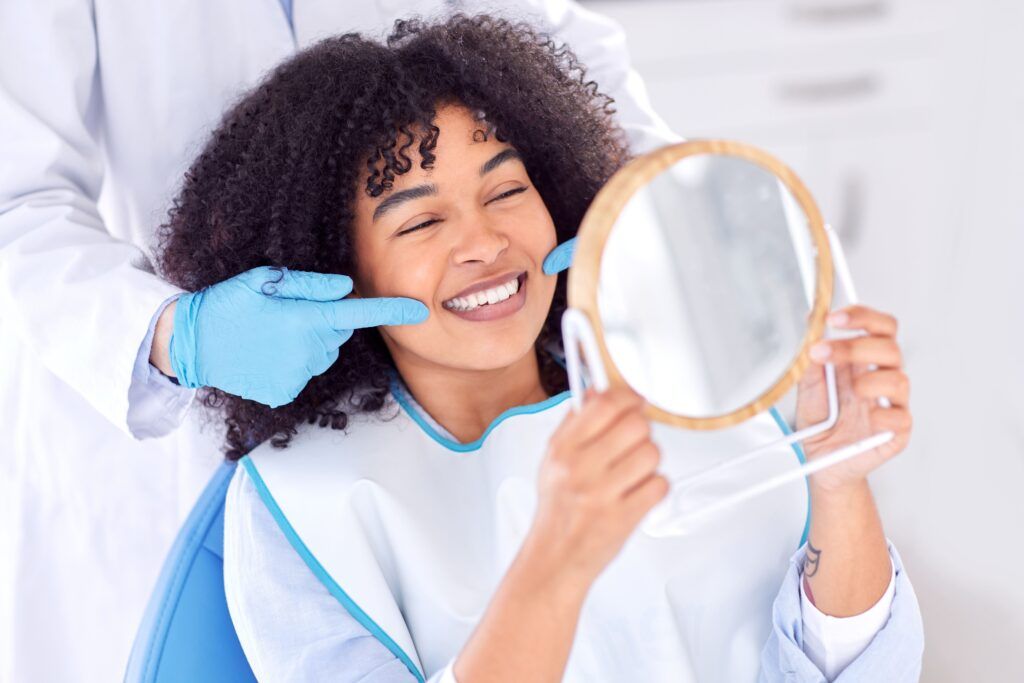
(275, 185)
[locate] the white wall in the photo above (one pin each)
(904, 117)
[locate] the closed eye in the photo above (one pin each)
(424, 224)
(505, 195)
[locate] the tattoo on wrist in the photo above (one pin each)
(812, 560)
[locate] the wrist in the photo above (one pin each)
(527, 631)
(546, 574)
(181, 344)
(827, 491)
(159, 353)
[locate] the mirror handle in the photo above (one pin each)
(842, 269)
(576, 332)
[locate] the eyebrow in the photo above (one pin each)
(430, 190)
(498, 159)
(418, 192)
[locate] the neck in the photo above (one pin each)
(466, 402)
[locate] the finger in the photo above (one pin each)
(880, 351)
(639, 500)
(636, 466)
(600, 411)
(620, 438)
(891, 384)
(813, 377)
(893, 419)
(864, 318)
(560, 257)
(351, 314)
(283, 283)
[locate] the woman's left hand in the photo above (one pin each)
(858, 389)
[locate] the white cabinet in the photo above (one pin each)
(843, 91)
(896, 218)
(855, 95)
(724, 35)
(904, 119)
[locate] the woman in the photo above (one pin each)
(458, 521)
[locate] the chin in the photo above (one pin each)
(493, 356)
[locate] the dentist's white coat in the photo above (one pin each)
(103, 104)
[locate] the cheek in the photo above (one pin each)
(538, 243)
(411, 275)
(400, 272)
(544, 232)
(532, 231)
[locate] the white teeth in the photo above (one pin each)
(488, 296)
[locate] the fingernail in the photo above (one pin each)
(821, 351)
(838, 318)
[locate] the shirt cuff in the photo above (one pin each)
(894, 654)
(833, 642)
(156, 404)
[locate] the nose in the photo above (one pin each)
(479, 242)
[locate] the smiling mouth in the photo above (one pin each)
(486, 297)
(491, 303)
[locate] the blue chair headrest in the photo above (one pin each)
(186, 632)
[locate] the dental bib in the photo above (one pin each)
(413, 532)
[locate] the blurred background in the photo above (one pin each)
(904, 118)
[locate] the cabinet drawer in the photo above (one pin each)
(730, 33)
(809, 98)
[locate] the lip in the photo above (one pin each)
(487, 284)
(495, 311)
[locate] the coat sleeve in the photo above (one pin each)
(600, 45)
(894, 654)
(80, 299)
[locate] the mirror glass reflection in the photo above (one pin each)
(706, 285)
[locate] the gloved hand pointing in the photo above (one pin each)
(265, 333)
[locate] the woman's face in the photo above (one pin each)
(471, 229)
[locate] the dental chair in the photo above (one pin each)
(186, 634)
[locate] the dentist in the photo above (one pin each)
(102, 105)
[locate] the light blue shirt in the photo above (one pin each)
(894, 654)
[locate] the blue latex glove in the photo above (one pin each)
(264, 333)
(560, 257)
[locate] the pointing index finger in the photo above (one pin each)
(350, 314)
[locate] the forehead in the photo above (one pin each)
(461, 127)
(463, 136)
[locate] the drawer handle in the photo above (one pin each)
(854, 87)
(839, 12)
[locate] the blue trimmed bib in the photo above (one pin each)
(412, 533)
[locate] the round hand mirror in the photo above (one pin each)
(705, 270)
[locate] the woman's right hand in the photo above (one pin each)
(597, 481)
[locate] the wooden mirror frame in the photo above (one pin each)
(597, 225)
